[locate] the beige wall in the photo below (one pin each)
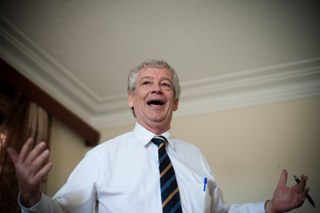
(246, 148)
(67, 149)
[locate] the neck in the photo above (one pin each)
(156, 129)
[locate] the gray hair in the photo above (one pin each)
(132, 78)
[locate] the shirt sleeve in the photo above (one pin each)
(221, 206)
(77, 195)
(46, 204)
(248, 208)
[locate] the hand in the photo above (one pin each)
(286, 198)
(31, 170)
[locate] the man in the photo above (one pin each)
(126, 174)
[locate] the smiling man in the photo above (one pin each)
(142, 171)
(152, 96)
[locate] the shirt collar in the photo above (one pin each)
(145, 135)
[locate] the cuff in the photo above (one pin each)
(34, 209)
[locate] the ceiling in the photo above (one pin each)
(227, 53)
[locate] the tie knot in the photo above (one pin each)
(157, 140)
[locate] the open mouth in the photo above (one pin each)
(155, 102)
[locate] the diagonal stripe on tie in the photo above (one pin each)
(165, 186)
(166, 169)
(168, 184)
(170, 197)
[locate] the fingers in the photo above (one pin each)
(306, 190)
(302, 193)
(19, 158)
(30, 161)
(37, 151)
(287, 198)
(301, 185)
(39, 160)
(25, 150)
(31, 169)
(304, 178)
(283, 178)
(43, 172)
(13, 154)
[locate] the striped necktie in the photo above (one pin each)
(169, 187)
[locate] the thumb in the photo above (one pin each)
(283, 178)
(13, 154)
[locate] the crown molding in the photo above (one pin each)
(243, 89)
(294, 80)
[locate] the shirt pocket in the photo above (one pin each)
(196, 197)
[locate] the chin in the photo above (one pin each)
(160, 118)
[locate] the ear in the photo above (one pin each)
(175, 105)
(130, 100)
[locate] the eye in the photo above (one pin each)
(146, 82)
(167, 85)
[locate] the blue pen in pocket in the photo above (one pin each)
(205, 181)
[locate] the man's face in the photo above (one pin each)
(153, 99)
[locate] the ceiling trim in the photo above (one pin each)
(280, 82)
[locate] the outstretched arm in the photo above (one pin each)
(31, 170)
(286, 198)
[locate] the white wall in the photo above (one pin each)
(246, 148)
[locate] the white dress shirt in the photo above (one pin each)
(122, 175)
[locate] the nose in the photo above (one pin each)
(157, 92)
(156, 89)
